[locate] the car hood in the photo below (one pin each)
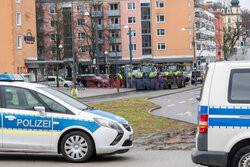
(107, 115)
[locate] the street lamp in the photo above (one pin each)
(194, 45)
(106, 61)
(96, 43)
(130, 44)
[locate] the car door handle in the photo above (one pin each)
(10, 117)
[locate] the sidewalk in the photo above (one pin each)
(91, 92)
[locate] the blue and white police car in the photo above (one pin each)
(36, 118)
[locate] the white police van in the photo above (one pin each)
(36, 118)
(223, 138)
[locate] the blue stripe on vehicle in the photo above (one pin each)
(203, 109)
(229, 111)
(64, 123)
(229, 122)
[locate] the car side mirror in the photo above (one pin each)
(41, 110)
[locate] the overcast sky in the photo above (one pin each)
(244, 4)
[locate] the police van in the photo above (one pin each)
(223, 137)
(36, 118)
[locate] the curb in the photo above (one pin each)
(153, 109)
(174, 92)
(103, 95)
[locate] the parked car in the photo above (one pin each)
(51, 81)
(223, 135)
(198, 75)
(90, 80)
(38, 119)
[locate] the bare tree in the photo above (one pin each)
(231, 36)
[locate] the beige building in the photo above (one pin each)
(232, 15)
(18, 35)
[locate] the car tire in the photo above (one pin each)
(77, 146)
(66, 85)
(242, 156)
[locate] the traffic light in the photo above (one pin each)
(195, 66)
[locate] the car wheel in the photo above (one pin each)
(66, 85)
(77, 147)
(99, 85)
(241, 158)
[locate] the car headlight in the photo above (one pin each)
(109, 124)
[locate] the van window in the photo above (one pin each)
(202, 88)
(51, 79)
(239, 86)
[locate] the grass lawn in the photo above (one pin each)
(135, 110)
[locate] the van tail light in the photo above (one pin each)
(203, 123)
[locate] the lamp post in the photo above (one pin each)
(96, 43)
(106, 61)
(73, 47)
(194, 45)
(58, 54)
(129, 33)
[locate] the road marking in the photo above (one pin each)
(170, 105)
(191, 99)
(182, 102)
(186, 113)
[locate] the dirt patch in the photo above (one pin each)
(165, 140)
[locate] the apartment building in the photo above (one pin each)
(205, 35)
(169, 42)
(219, 35)
(18, 35)
(113, 19)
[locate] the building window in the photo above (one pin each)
(19, 42)
(160, 18)
(53, 50)
(80, 9)
(52, 37)
(229, 20)
(131, 6)
(83, 49)
(81, 35)
(80, 22)
(18, 1)
(115, 34)
(18, 19)
(133, 47)
(133, 33)
(52, 10)
(115, 48)
(97, 8)
(131, 20)
(198, 46)
(114, 20)
(52, 23)
(161, 32)
(161, 46)
(159, 4)
(113, 6)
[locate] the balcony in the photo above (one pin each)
(100, 40)
(99, 27)
(115, 54)
(96, 14)
(113, 12)
(115, 40)
(114, 26)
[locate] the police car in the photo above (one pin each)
(36, 118)
(223, 138)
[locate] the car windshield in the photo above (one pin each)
(67, 99)
(197, 73)
(146, 68)
(172, 68)
(98, 77)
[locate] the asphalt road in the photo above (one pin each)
(181, 106)
(133, 158)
